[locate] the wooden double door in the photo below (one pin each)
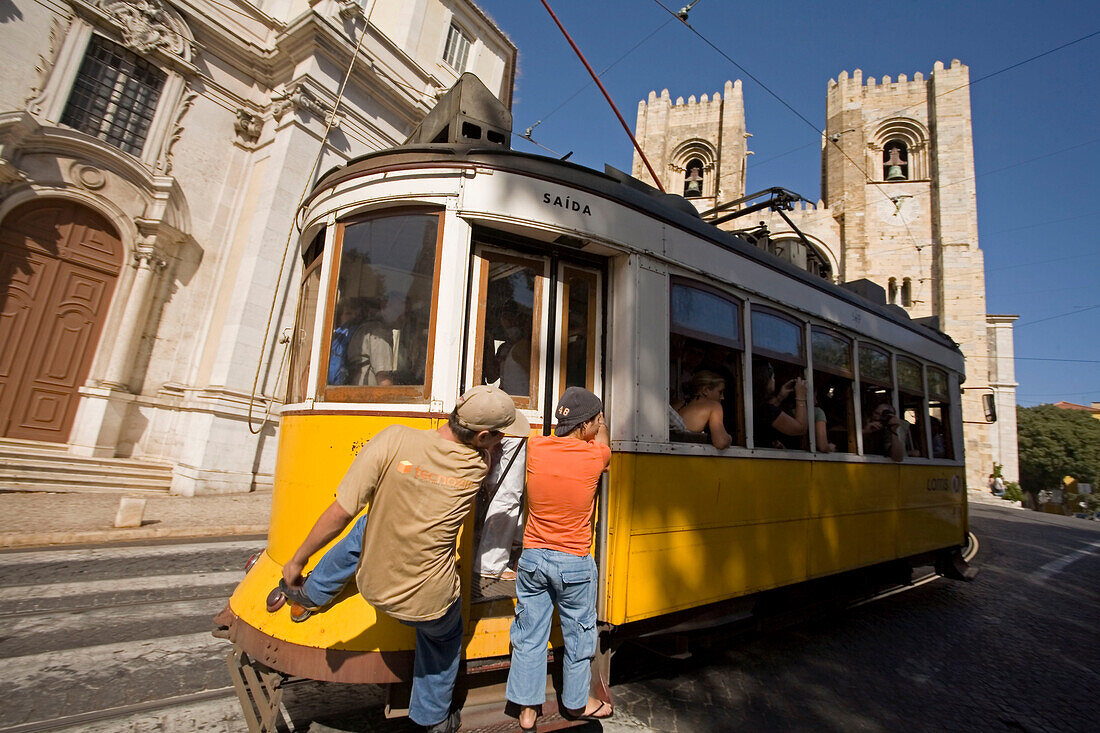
(59, 262)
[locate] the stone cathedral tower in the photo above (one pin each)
(899, 208)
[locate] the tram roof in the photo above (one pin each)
(618, 186)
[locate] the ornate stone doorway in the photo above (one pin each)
(59, 262)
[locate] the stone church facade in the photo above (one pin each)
(898, 208)
(153, 154)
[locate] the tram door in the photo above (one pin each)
(536, 327)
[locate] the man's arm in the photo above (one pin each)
(331, 523)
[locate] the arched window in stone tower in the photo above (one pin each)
(892, 291)
(693, 179)
(693, 163)
(895, 161)
(900, 150)
(907, 292)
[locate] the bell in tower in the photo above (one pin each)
(894, 164)
(693, 181)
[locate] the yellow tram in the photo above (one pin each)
(433, 267)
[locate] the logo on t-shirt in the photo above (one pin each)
(431, 477)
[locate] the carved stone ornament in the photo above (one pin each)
(248, 125)
(146, 25)
(300, 98)
(87, 176)
(350, 9)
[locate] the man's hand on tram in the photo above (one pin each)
(292, 572)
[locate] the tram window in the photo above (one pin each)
(939, 414)
(779, 358)
(705, 351)
(834, 378)
(876, 387)
(579, 301)
(302, 340)
(911, 402)
(511, 290)
(382, 309)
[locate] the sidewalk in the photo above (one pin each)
(36, 519)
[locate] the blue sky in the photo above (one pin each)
(1036, 131)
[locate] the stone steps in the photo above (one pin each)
(34, 466)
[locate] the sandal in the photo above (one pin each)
(594, 715)
(508, 574)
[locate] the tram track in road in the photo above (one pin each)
(120, 712)
(101, 637)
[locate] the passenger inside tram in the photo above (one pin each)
(821, 425)
(882, 432)
(773, 426)
(703, 413)
(694, 367)
(361, 351)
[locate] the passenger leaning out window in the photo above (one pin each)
(770, 422)
(703, 410)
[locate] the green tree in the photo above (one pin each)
(1055, 443)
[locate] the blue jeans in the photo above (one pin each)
(548, 578)
(438, 642)
(435, 665)
(336, 567)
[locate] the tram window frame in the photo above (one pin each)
(301, 343)
(940, 402)
(402, 394)
(569, 271)
(784, 368)
(870, 385)
(911, 398)
(840, 381)
(732, 369)
(485, 254)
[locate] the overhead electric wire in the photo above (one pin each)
(609, 67)
(1060, 315)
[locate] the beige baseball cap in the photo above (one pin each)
(521, 428)
(485, 407)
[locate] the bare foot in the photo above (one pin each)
(527, 718)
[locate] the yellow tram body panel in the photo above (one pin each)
(685, 531)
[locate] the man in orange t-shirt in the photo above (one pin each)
(556, 567)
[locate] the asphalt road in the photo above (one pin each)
(117, 639)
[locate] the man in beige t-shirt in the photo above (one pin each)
(420, 486)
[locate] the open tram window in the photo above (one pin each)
(508, 325)
(911, 402)
(301, 341)
(778, 364)
(705, 357)
(834, 378)
(379, 346)
(939, 414)
(876, 397)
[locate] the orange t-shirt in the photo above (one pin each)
(562, 477)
